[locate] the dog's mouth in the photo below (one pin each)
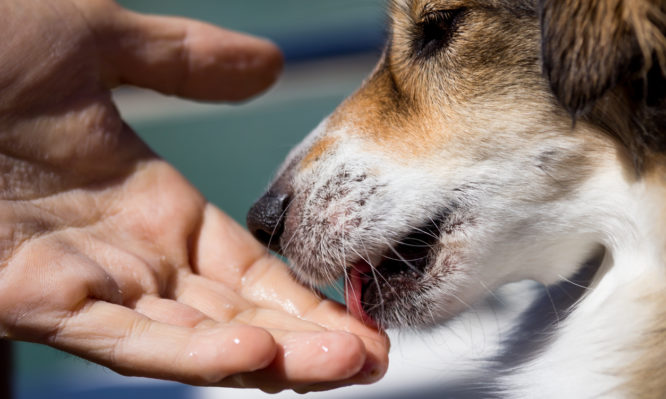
(371, 290)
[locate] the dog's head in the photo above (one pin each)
(474, 154)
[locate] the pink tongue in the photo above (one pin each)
(354, 292)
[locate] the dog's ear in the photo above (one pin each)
(592, 46)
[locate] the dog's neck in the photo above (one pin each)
(632, 220)
(620, 319)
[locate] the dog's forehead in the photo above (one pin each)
(414, 109)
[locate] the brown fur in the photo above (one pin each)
(606, 57)
(389, 108)
(317, 150)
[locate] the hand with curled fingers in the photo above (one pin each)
(106, 251)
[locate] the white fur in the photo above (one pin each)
(594, 344)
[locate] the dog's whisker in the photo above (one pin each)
(457, 298)
(436, 225)
(555, 310)
(406, 262)
(287, 244)
(433, 320)
(491, 292)
(401, 259)
(277, 225)
(418, 244)
(425, 233)
(573, 282)
(375, 274)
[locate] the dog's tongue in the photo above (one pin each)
(354, 292)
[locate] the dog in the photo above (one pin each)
(499, 141)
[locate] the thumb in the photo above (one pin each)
(180, 56)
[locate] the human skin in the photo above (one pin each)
(106, 251)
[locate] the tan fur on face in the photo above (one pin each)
(489, 56)
(317, 150)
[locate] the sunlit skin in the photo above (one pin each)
(106, 251)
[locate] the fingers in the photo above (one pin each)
(185, 57)
(218, 302)
(132, 344)
(223, 250)
(172, 312)
(213, 299)
(305, 359)
(208, 353)
(307, 353)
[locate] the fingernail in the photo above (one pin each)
(371, 371)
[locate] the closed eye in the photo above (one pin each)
(435, 31)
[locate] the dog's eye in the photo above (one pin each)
(435, 31)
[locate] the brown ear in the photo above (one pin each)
(592, 46)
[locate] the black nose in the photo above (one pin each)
(265, 220)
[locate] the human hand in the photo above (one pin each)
(106, 251)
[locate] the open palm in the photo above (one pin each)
(108, 252)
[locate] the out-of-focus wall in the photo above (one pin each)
(303, 28)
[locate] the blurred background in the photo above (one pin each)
(230, 153)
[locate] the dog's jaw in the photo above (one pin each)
(353, 204)
(541, 230)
